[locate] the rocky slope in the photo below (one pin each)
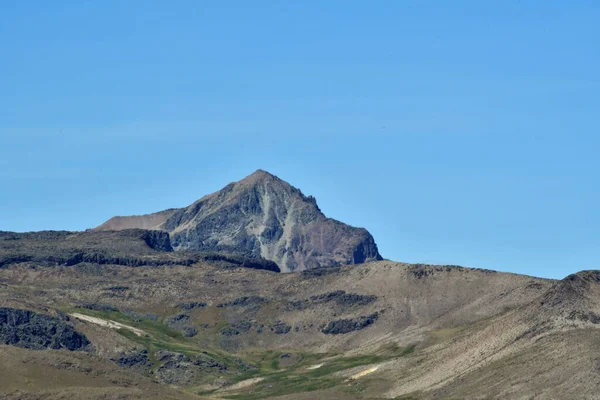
(260, 216)
(191, 308)
(413, 331)
(25, 328)
(132, 247)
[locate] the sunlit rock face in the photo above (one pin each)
(260, 216)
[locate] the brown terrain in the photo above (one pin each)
(135, 314)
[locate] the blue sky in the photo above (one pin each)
(462, 132)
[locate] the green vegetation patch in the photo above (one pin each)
(160, 337)
(298, 378)
(293, 376)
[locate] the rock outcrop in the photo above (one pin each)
(130, 247)
(342, 326)
(260, 216)
(24, 328)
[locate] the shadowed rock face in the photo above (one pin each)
(24, 328)
(341, 326)
(260, 216)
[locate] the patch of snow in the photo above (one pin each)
(108, 323)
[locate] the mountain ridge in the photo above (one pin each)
(166, 317)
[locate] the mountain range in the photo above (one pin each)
(191, 303)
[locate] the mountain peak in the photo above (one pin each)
(261, 216)
(257, 176)
(262, 174)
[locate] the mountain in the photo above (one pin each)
(184, 304)
(260, 216)
(369, 331)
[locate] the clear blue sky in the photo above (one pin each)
(463, 132)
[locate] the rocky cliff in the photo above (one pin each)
(24, 328)
(260, 216)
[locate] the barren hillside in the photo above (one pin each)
(196, 307)
(417, 331)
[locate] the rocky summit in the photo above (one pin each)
(260, 216)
